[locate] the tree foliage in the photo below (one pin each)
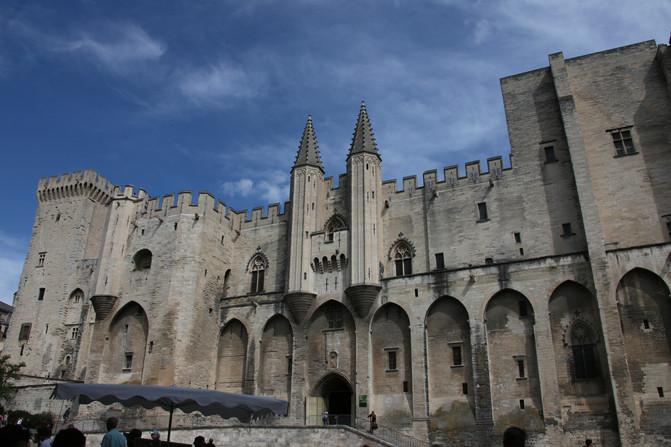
(8, 373)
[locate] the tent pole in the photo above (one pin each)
(172, 408)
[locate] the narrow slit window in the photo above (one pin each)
(456, 356)
(464, 388)
(521, 373)
(518, 237)
(660, 391)
(41, 257)
(391, 360)
(550, 156)
(440, 261)
(40, 295)
(482, 211)
(406, 386)
(522, 404)
(128, 361)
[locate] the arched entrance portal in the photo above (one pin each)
(336, 397)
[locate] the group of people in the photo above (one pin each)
(114, 437)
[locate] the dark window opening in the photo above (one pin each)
(489, 261)
(128, 361)
(416, 293)
(440, 261)
(521, 251)
(464, 388)
(335, 319)
(258, 268)
(522, 404)
(151, 347)
(40, 259)
(482, 211)
(142, 232)
(142, 259)
(21, 352)
(660, 391)
(584, 362)
(521, 373)
(391, 360)
(646, 324)
(40, 296)
(175, 225)
(523, 308)
(566, 229)
(550, 156)
(406, 386)
(668, 227)
(456, 356)
(623, 142)
(24, 333)
(518, 237)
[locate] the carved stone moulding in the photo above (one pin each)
(103, 305)
(362, 297)
(299, 304)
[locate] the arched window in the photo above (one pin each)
(335, 223)
(257, 267)
(142, 259)
(76, 296)
(403, 259)
(227, 280)
(583, 341)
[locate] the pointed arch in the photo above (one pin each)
(400, 254)
(232, 357)
(645, 316)
(227, 283)
(511, 344)
(331, 341)
(124, 353)
(276, 358)
(450, 370)
(334, 224)
(579, 353)
(257, 266)
(392, 364)
(76, 296)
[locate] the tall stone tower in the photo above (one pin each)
(363, 173)
(307, 181)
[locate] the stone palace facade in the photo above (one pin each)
(533, 295)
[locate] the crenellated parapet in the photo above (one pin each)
(472, 175)
(86, 183)
(201, 204)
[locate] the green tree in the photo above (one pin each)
(8, 373)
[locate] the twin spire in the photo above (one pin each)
(363, 140)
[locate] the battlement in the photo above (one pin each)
(203, 204)
(85, 183)
(269, 215)
(473, 174)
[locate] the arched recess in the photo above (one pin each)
(331, 349)
(577, 338)
(73, 307)
(227, 283)
(127, 343)
(392, 365)
(645, 314)
(451, 392)
(333, 225)
(513, 366)
(232, 358)
(276, 358)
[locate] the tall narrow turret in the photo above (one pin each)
(307, 178)
(363, 172)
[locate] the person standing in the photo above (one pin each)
(44, 437)
(325, 418)
(372, 421)
(113, 437)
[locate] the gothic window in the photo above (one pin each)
(583, 344)
(403, 259)
(257, 267)
(40, 259)
(24, 333)
(142, 259)
(335, 318)
(335, 223)
(128, 361)
(74, 333)
(391, 360)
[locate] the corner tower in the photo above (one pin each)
(363, 172)
(307, 180)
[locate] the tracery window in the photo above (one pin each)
(335, 223)
(257, 268)
(583, 347)
(76, 296)
(403, 259)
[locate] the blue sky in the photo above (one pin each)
(213, 95)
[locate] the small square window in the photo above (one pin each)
(440, 261)
(40, 296)
(623, 142)
(482, 212)
(550, 156)
(391, 360)
(40, 259)
(518, 237)
(489, 261)
(24, 333)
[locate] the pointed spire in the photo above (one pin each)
(308, 151)
(363, 139)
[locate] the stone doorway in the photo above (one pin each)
(336, 393)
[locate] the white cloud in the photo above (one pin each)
(12, 252)
(242, 187)
(218, 84)
(118, 47)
